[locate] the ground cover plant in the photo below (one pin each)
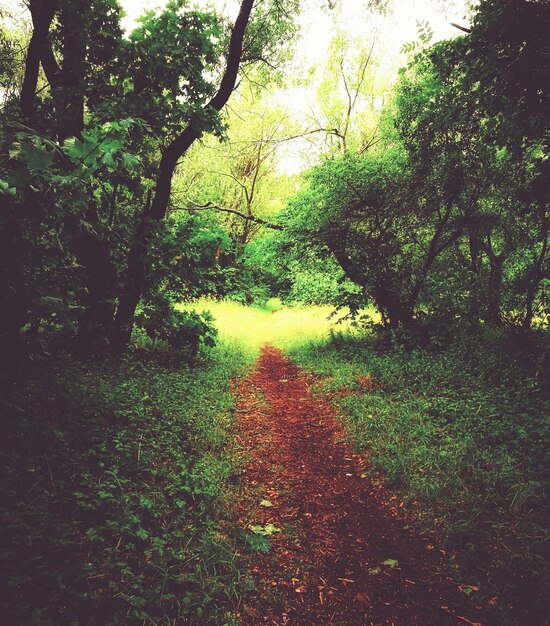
(118, 477)
(114, 479)
(462, 435)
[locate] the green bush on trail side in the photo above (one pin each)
(463, 436)
(114, 477)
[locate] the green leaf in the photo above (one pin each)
(258, 543)
(6, 189)
(266, 531)
(108, 159)
(126, 123)
(129, 161)
(34, 154)
(14, 150)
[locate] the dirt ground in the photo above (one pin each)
(342, 551)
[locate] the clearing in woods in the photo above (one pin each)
(341, 553)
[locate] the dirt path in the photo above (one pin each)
(343, 554)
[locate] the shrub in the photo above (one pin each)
(185, 331)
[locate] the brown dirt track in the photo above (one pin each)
(345, 555)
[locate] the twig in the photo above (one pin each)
(51, 475)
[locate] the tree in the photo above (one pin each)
(177, 147)
(495, 106)
(101, 189)
(447, 217)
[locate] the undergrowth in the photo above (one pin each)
(463, 434)
(114, 476)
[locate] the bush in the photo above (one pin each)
(185, 331)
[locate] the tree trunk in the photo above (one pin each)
(13, 299)
(397, 312)
(496, 276)
(42, 19)
(93, 253)
(394, 310)
(537, 274)
(474, 240)
(533, 286)
(529, 302)
(70, 92)
(137, 258)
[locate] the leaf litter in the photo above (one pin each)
(344, 553)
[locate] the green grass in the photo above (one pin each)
(463, 436)
(114, 485)
(118, 479)
(250, 327)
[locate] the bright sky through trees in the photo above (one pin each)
(396, 26)
(361, 24)
(357, 21)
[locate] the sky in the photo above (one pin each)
(389, 31)
(353, 16)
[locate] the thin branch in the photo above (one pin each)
(363, 69)
(462, 28)
(212, 205)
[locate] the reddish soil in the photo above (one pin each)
(345, 554)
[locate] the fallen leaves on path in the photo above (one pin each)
(336, 550)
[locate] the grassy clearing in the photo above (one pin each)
(250, 327)
(463, 435)
(115, 475)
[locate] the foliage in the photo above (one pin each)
(13, 39)
(445, 221)
(181, 330)
(238, 184)
(114, 483)
(184, 258)
(84, 152)
(50, 215)
(169, 54)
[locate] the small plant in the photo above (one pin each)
(119, 514)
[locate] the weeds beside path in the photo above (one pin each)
(340, 552)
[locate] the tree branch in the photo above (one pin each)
(462, 28)
(213, 205)
(182, 142)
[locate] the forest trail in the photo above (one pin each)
(341, 552)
